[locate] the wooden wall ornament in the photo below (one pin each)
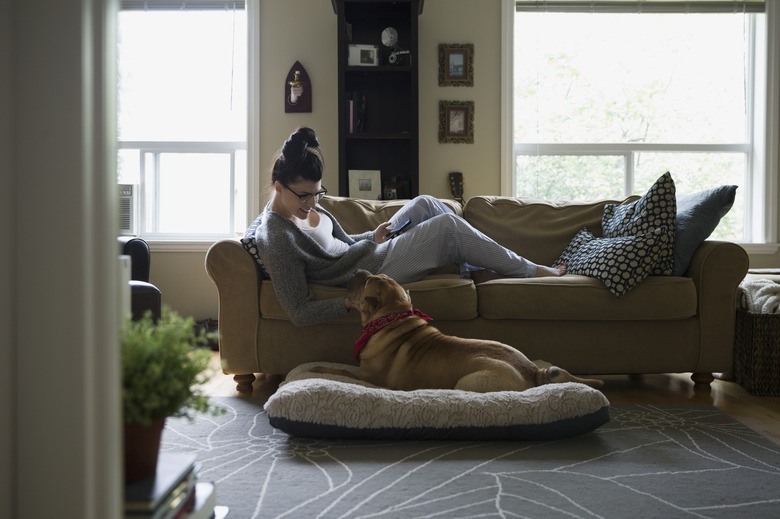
(297, 86)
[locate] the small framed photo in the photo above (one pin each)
(363, 55)
(365, 184)
(456, 64)
(456, 121)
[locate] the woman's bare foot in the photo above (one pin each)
(543, 272)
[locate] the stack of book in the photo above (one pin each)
(174, 492)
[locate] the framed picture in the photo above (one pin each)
(363, 55)
(456, 64)
(365, 183)
(456, 121)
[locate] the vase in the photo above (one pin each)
(142, 446)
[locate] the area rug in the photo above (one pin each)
(648, 461)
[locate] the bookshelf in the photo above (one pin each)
(378, 98)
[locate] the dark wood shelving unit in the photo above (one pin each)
(386, 136)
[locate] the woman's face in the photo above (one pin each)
(292, 201)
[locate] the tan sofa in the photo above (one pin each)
(666, 324)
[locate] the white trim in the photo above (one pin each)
(642, 6)
(253, 112)
(772, 127)
(507, 97)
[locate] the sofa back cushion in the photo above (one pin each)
(538, 230)
(358, 216)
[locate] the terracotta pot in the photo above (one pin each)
(142, 445)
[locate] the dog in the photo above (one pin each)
(398, 349)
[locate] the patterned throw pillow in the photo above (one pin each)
(658, 208)
(620, 263)
(250, 245)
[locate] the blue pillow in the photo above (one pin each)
(315, 405)
(697, 216)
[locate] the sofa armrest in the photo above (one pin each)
(717, 268)
(236, 278)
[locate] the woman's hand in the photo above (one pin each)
(381, 232)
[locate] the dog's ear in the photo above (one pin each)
(372, 301)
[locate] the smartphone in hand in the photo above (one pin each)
(399, 229)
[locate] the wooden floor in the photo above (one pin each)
(760, 413)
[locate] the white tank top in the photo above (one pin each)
(323, 234)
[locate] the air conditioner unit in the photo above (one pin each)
(128, 209)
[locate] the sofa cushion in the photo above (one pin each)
(358, 216)
(656, 209)
(446, 297)
(620, 263)
(697, 216)
(315, 405)
(536, 229)
(579, 298)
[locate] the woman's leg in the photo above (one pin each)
(420, 209)
(448, 239)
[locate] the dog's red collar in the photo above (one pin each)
(377, 324)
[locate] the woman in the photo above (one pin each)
(300, 242)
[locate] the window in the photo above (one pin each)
(608, 96)
(182, 117)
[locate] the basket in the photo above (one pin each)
(757, 352)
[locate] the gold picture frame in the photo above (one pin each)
(456, 121)
(456, 64)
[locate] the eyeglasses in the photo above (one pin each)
(304, 198)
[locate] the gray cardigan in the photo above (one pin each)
(292, 259)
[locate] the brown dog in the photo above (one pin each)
(400, 350)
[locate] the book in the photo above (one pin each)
(160, 495)
(205, 501)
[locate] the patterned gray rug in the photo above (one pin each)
(648, 461)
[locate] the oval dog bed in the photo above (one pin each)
(318, 405)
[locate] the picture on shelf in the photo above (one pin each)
(365, 184)
(363, 55)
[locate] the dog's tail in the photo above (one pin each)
(556, 375)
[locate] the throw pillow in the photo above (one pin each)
(250, 245)
(698, 214)
(620, 263)
(658, 208)
(315, 405)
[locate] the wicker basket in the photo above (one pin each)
(757, 352)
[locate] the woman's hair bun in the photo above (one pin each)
(295, 146)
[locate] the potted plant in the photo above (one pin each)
(161, 369)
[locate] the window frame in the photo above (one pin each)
(762, 189)
(181, 242)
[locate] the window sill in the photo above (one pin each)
(183, 245)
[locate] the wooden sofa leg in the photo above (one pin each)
(244, 382)
(702, 380)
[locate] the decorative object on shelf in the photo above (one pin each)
(456, 64)
(456, 121)
(297, 90)
(161, 366)
(456, 185)
(363, 55)
(397, 54)
(365, 183)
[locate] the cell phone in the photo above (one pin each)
(398, 230)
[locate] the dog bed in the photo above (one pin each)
(316, 405)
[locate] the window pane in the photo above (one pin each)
(621, 78)
(694, 172)
(194, 193)
(568, 177)
(176, 84)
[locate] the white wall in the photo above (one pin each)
(59, 436)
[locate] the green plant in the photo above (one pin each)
(161, 367)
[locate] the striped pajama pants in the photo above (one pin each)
(437, 237)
